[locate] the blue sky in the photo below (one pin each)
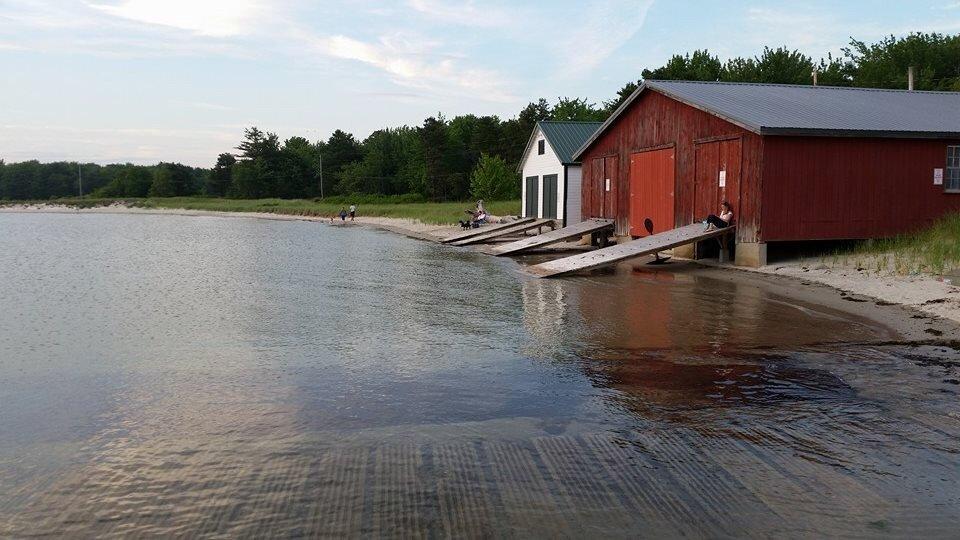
(178, 80)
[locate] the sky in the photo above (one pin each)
(143, 81)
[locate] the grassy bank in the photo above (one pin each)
(439, 213)
(935, 250)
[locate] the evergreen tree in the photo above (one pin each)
(221, 176)
(433, 136)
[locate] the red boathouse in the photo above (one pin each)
(798, 163)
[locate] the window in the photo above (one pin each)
(540, 149)
(951, 177)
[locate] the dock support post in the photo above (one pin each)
(753, 254)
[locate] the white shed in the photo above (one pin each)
(550, 181)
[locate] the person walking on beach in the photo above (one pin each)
(343, 214)
(725, 219)
(353, 211)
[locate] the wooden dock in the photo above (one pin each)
(483, 230)
(635, 248)
(493, 234)
(553, 237)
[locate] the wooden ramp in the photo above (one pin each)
(634, 248)
(492, 234)
(483, 230)
(552, 237)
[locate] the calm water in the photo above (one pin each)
(233, 377)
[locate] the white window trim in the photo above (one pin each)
(951, 149)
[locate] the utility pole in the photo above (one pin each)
(80, 179)
(910, 78)
(321, 175)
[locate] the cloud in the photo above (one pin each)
(113, 145)
(464, 14)
(607, 26)
(415, 63)
(813, 32)
(216, 18)
(205, 106)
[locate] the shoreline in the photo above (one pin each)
(925, 295)
(407, 227)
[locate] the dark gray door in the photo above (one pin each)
(533, 195)
(550, 196)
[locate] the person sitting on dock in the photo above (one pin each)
(724, 220)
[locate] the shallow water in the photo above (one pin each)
(239, 377)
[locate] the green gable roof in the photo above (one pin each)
(566, 137)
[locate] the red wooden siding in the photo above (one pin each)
(839, 188)
(652, 180)
(712, 158)
(655, 120)
(611, 190)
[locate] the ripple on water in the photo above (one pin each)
(172, 375)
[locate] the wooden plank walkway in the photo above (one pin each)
(635, 248)
(553, 237)
(506, 231)
(483, 230)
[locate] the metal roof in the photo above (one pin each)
(830, 111)
(565, 137)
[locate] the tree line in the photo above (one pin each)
(467, 155)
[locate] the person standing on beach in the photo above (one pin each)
(343, 214)
(353, 211)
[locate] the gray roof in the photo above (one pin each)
(565, 137)
(786, 109)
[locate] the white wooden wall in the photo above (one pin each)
(574, 181)
(540, 165)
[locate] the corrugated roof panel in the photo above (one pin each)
(796, 108)
(566, 137)
(786, 109)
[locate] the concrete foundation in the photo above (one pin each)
(752, 254)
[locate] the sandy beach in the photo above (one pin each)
(407, 227)
(931, 296)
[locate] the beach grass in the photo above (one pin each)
(438, 213)
(934, 250)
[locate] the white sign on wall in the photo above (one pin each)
(723, 178)
(938, 177)
(607, 184)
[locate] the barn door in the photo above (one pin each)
(608, 187)
(652, 183)
(717, 177)
(550, 196)
(532, 197)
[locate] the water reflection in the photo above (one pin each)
(244, 378)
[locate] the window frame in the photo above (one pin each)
(541, 147)
(951, 182)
